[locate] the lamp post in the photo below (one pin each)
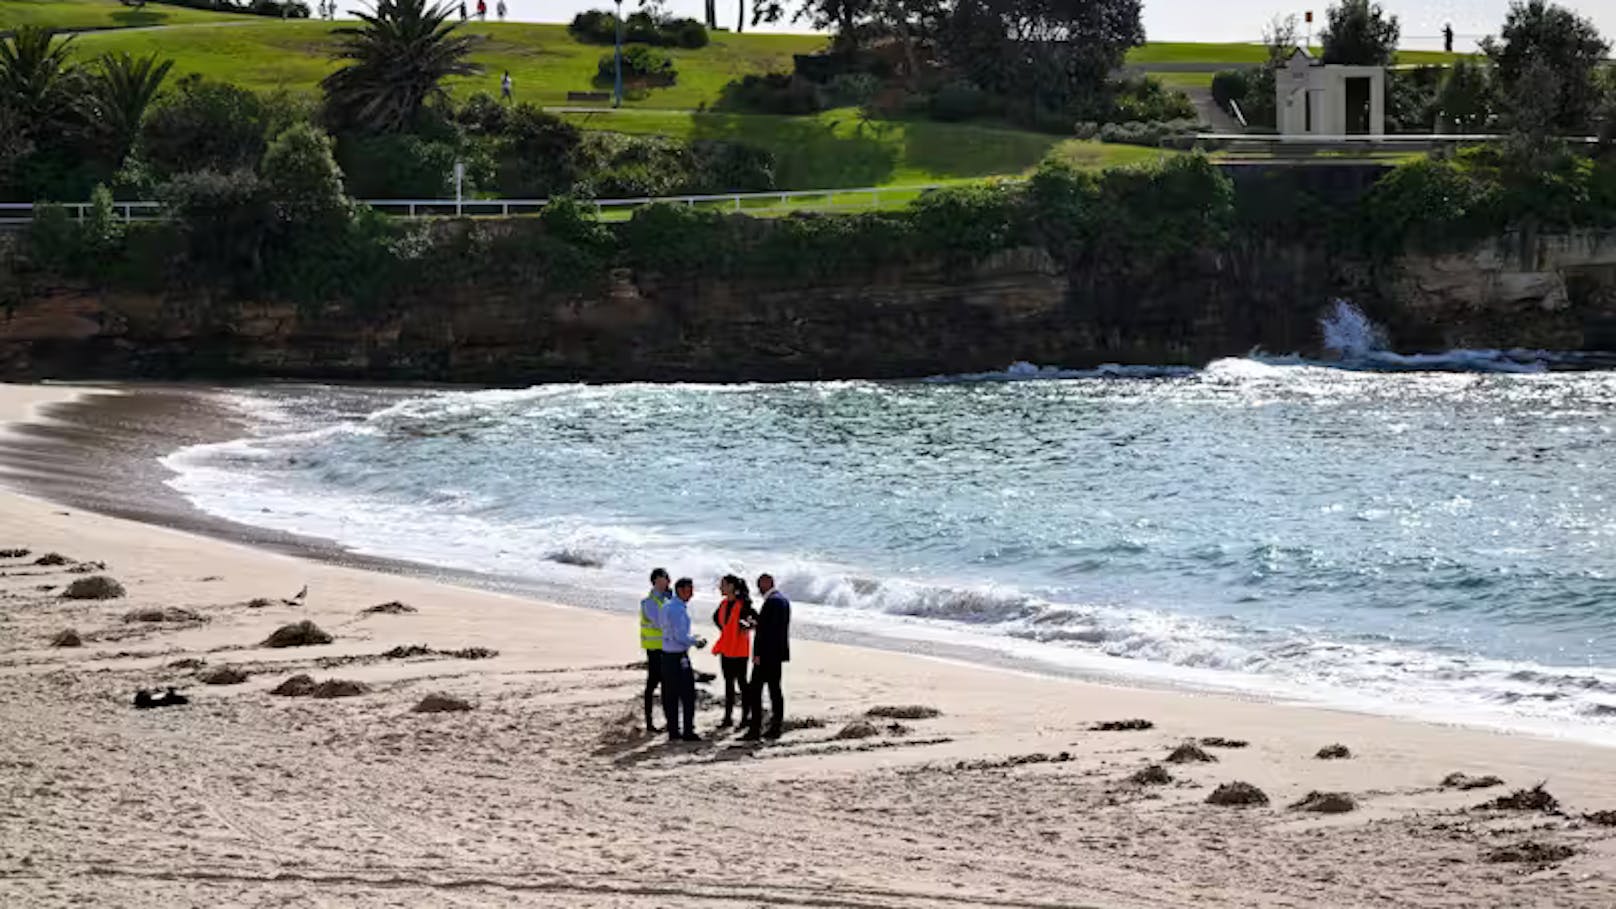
(617, 84)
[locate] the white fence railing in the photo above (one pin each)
(866, 197)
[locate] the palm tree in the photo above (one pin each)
(37, 81)
(401, 55)
(123, 88)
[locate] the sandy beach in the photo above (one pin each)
(546, 792)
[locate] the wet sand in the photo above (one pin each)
(546, 793)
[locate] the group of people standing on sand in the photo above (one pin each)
(749, 638)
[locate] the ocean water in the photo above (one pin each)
(1426, 536)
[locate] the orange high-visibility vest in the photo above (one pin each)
(733, 640)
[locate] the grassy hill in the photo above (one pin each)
(83, 14)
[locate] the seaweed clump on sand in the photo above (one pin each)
(858, 729)
(441, 703)
(1530, 852)
(174, 614)
(1190, 753)
(1466, 781)
(392, 608)
(298, 686)
(222, 675)
(1129, 725)
(1218, 741)
(1336, 752)
(1237, 794)
(339, 688)
(1154, 775)
(905, 712)
(1326, 803)
(98, 587)
(68, 638)
(52, 559)
(1535, 799)
(298, 634)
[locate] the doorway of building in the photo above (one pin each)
(1358, 106)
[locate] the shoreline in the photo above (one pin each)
(102, 451)
(544, 794)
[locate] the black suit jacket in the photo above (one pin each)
(771, 643)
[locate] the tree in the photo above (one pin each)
(121, 90)
(204, 126)
(1566, 44)
(37, 78)
(844, 19)
(1359, 33)
(399, 59)
(1465, 100)
(303, 180)
(1052, 53)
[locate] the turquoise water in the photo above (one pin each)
(1438, 544)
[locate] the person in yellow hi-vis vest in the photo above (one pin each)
(651, 641)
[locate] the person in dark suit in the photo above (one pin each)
(771, 650)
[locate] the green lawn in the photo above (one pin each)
(544, 62)
(104, 14)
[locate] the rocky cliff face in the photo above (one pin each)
(1551, 291)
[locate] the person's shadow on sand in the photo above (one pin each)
(145, 701)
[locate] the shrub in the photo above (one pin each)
(538, 154)
(1465, 102)
(600, 27)
(730, 167)
(595, 26)
(773, 93)
(958, 100)
(303, 179)
(852, 89)
(225, 219)
(483, 115)
(1230, 85)
(394, 166)
(54, 240)
(965, 223)
(643, 65)
(664, 237)
(1146, 99)
(204, 126)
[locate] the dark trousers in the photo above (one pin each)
(678, 691)
(735, 686)
(653, 678)
(766, 672)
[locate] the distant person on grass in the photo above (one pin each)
(771, 650)
(651, 641)
(735, 619)
(500, 9)
(678, 676)
(462, 11)
(1447, 37)
(482, 10)
(505, 86)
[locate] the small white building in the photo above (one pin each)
(1314, 98)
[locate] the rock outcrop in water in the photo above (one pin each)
(1554, 291)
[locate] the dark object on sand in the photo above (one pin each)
(404, 652)
(13, 553)
(393, 608)
(1336, 752)
(1535, 799)
(1237, 794)
(145, 701)
(1602, 818)
(441, 703)
(188, 663)
(339, 688)
(260, 603)
(68, 638)
(174, 614)
(1218, 741)
(222, 675)
(896, 729)
(53, 558)
(804, 722)
(298, 686)
(858, 729)
(1133, 725)
(87, 567)
(1530, 852)
(1190, 753)
(703, 678)
(298, 634)
(567, 557)
(1326, 803)
(1465, 781)
(906, 712)
(99, 587)
(1154, 775)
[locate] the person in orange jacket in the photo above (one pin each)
(735, 619)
